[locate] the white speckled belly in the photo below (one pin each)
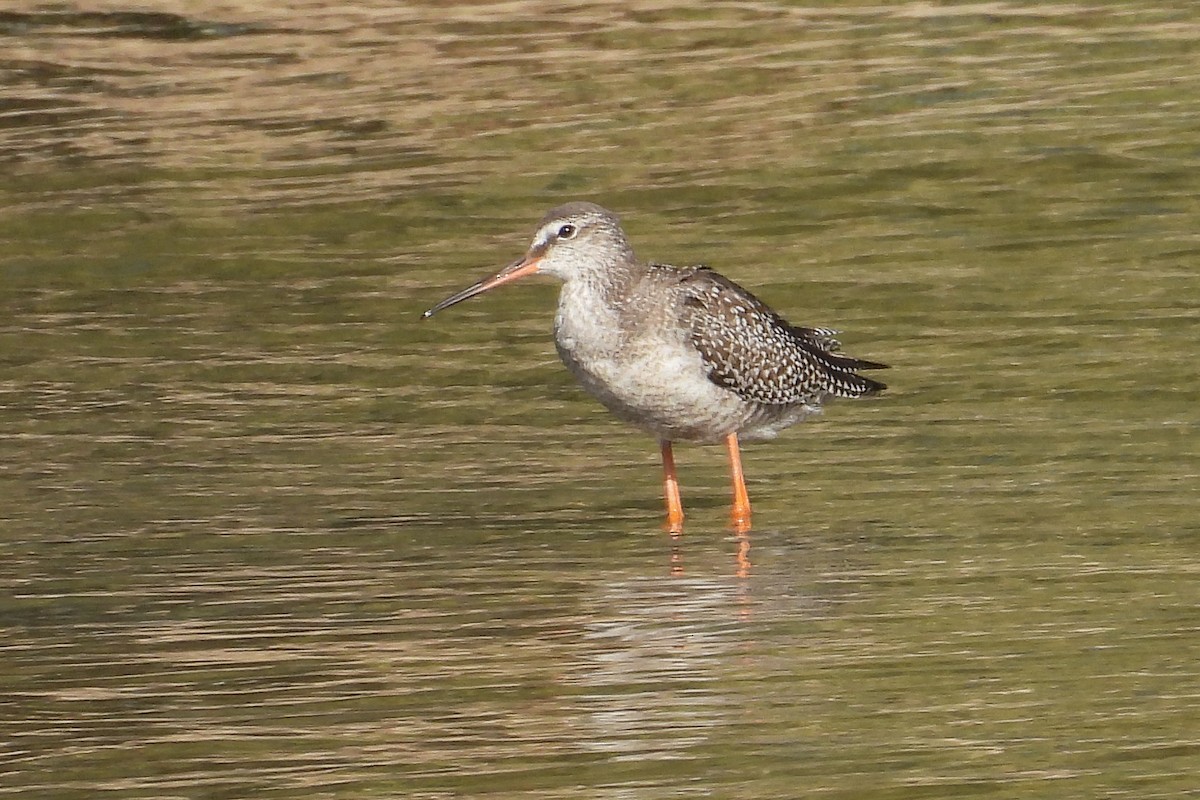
(670, 399)
(658, 382)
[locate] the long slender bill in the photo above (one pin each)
(526, 265)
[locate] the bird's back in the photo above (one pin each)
(752, 351)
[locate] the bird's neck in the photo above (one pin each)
(590, 313)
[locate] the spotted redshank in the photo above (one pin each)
(682, 352)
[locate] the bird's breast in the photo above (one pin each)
(644, 370)
(587, 327)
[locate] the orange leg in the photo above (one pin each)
(740, 515)
(671, 490)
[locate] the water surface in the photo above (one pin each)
(263, 533)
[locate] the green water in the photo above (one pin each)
(264, 533)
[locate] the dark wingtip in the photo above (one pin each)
(872, 387)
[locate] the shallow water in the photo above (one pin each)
(264, 533)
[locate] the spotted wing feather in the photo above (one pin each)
(751, 350)
(824, 338)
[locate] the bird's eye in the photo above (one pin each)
(567, 232)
